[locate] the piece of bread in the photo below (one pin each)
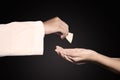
(69, 37)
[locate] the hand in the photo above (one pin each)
(76, 55)
(56, 25)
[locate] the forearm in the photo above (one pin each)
(116, 59)
(111, 63)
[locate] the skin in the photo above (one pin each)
(78, 55)
(56, 25)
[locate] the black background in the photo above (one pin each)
(94, 24)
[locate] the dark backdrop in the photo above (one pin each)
(94, 24)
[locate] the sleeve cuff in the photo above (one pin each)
(22, 38)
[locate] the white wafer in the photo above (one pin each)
(69, 37)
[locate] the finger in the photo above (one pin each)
(59, 49)
(62, 54)
(76, 60)
(74, 52)
(64, 33)
(63, 36)
(80, 63)
(68, 52)
(64, 24)
(72, 60)
(64, 29)
(71, 52)
(66, 57)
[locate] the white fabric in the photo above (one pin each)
(22, 38)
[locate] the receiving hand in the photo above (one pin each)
(76, 55)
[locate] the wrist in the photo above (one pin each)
(94, 57)
(99, 58)
(46, 27)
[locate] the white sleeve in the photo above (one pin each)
(22, 38)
